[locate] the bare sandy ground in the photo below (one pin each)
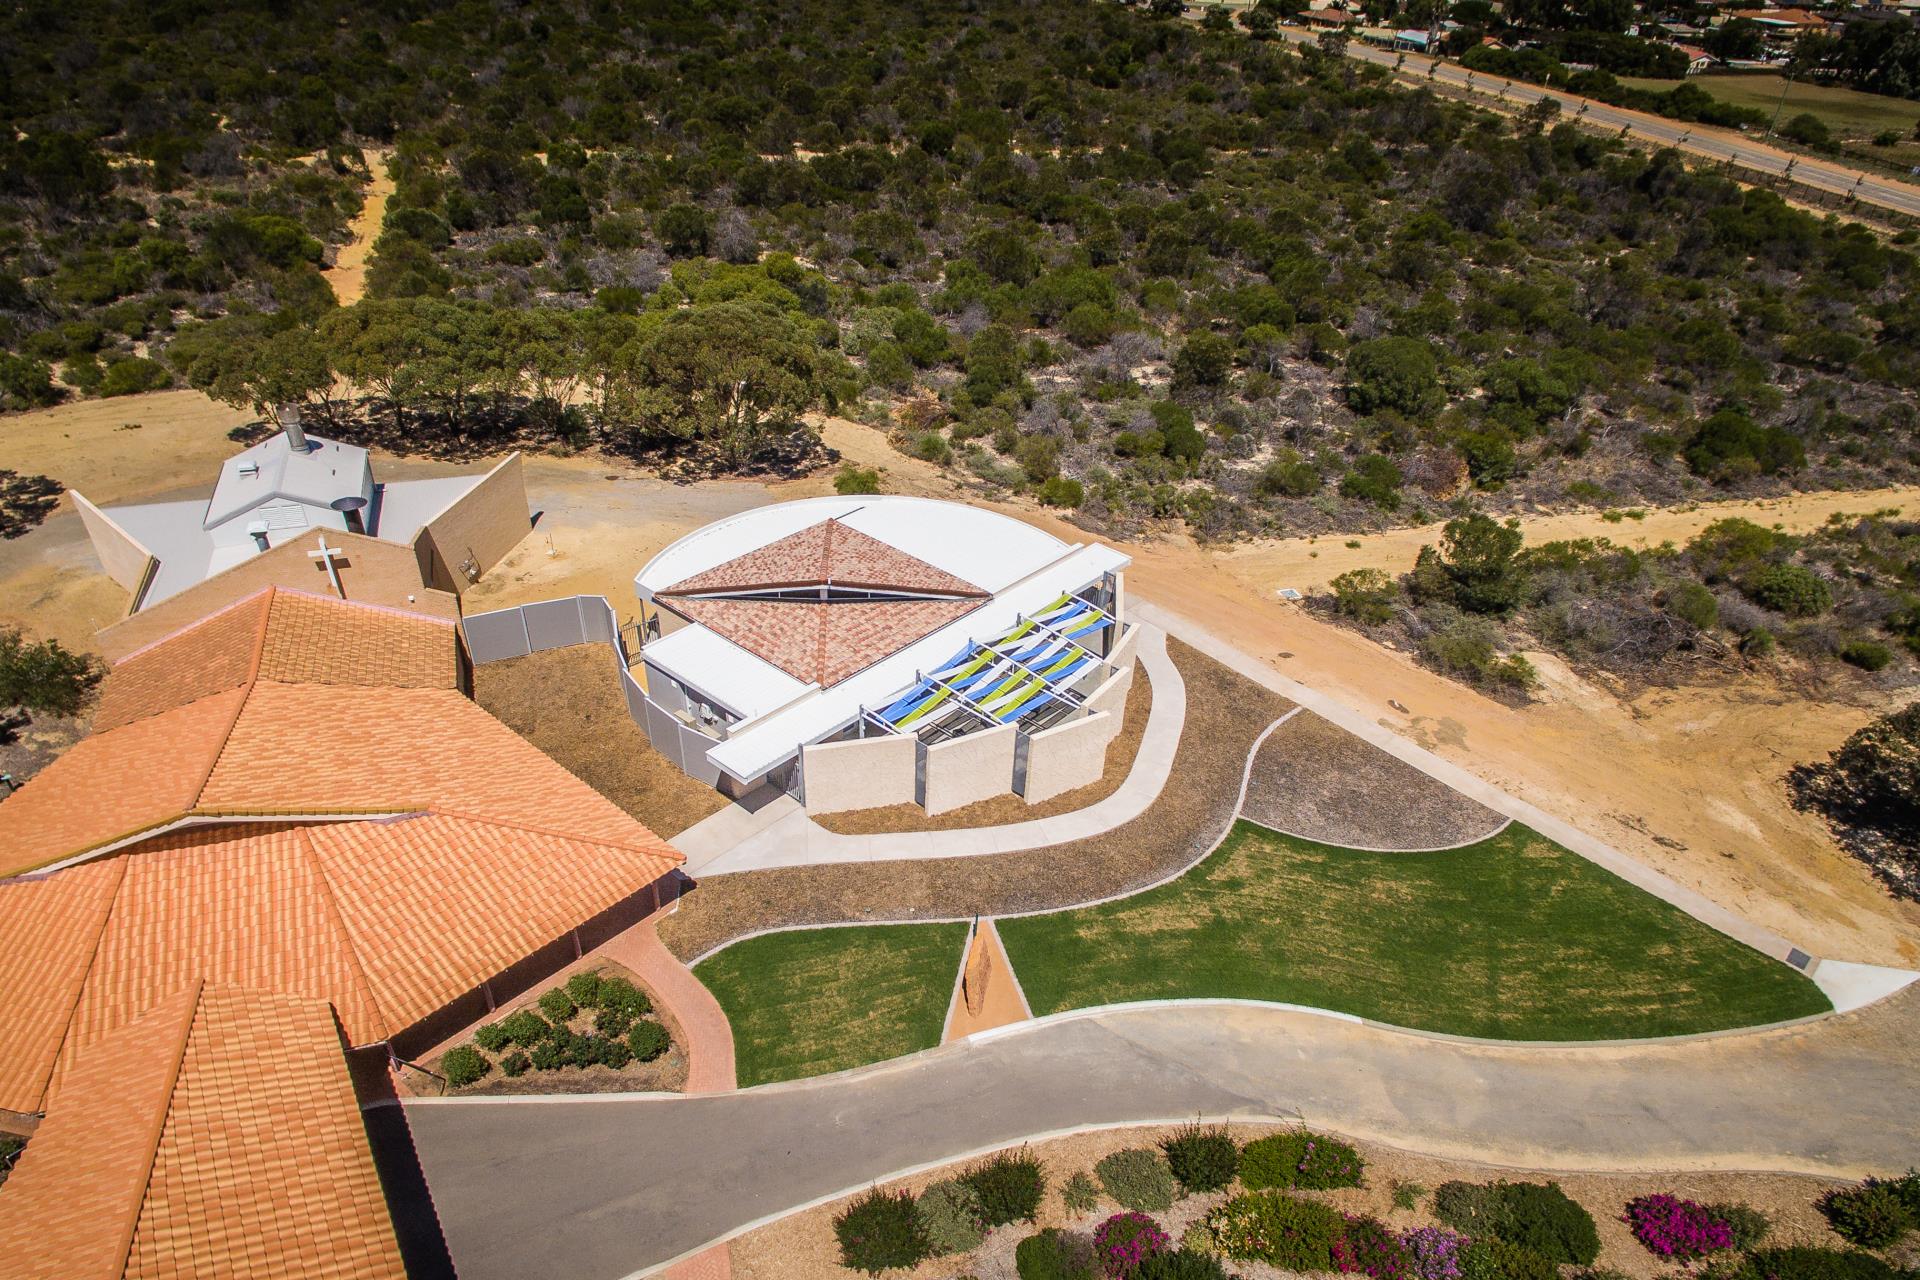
(349, 274)
(1688, 780)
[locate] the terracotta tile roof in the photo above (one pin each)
(276, 634)
(184, 1146)
(822, 554)
(387, 919)
(823, 641)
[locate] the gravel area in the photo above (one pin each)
(1316, 780)
(1010, 808)
(802, 1247)
(1225, 713)
(568, 703)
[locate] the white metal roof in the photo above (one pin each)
(745, 684)
(985, 548)
(272, 469)
(757, 747)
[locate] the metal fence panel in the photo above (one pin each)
(497, 635)
(552, 624)
(596, 618)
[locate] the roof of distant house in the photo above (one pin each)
(215, 1136)
(1780, 17)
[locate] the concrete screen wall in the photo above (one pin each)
(975, 767)
(863, 773)
(1067, 756)
(121, 554)
(1112, 695)
(480, 526)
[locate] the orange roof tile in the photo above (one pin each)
(183, 1146)
(819, 640)
(214, 655)
(387, 919)
(822, 554)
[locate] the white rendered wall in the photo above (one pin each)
(863, 773)
(978, 766)
(1069, 755)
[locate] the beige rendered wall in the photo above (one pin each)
(482, 524)
(1122, 655)
(864, 773)
(1112, 696)
(976, 767)
(124, 559)
(371, 572)
(1068, 755)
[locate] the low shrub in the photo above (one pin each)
(525, 1028)
(557, 1006)
(1747, 1225)
(1267, 1226)
(1808, 1262)
(1792, 589)
(1537, 1216)
(1137, 1179)
(1203, 1158)
(648, 1040)
(1054, 1254)
(1406, 1195)
(1079, 1194)
(612, 1022)
(613, 1052)
(1366, 1247)
(1433, 1253)
(493, 1037)
(1180, 1265)
(1299, 1159)
(852, 481)
(546, 1056)
(950, 1216)
(515, 1064)
(584, 989)
(1868, 655)
(1676, 1229)
(621, 996)
(1009, 1186)
(1062, 491)
(1871, 1215)
(1496, 1259)
(880, 1231)
(1125, 1240)
(463, 1064)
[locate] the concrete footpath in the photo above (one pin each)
(600, 1188)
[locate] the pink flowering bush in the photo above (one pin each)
(1676, 1229)
(1366, 1247)
(1126, 1240)
(1433, 1253)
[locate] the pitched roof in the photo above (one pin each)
(389, 920)
(823, 554)
(823, 641)
(316, 475)
(183, 1146)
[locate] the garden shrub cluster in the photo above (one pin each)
(1301, 1159)
(1202, 1157)
(1054, 1254)
(541, 1039)
(1539, 1217)
(1676, 1229)
(1126, 1240)
(1137, 1179)
(1009, 1186)
(1877, 1212)
(879, 1232)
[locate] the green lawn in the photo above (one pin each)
(813, 1001)
(1848, 112)
(1513, 937)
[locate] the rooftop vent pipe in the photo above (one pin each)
(289, 418)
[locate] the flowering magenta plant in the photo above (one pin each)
(1433, 1253)
(1677, 1229)
(1367, 1248)
(1126, 1240)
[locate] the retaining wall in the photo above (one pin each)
(862, 773)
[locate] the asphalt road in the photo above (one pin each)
(601, 1189)
(1701, 140)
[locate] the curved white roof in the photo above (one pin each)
(985, 548)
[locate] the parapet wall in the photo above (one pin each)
(862, 773)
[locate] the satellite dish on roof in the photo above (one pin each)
(352, 502)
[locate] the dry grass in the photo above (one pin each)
(802, 1247)
(1314, 779)
(1225, 713)
(1010, 808)
(567, 702)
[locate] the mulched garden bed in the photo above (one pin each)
(1314, 779)
(1010, 808)
(1225, 713)
(567, 702)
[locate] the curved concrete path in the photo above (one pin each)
(605, 1187)
(781, 835)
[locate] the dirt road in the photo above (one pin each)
(349, 274)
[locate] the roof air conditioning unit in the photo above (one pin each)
(249, 468)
